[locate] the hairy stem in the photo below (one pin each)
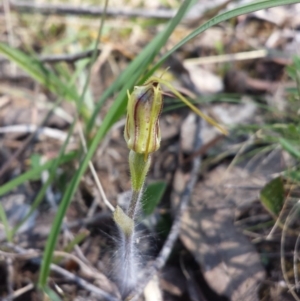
(126, 264)
(134, 203)
(139, 166)
(126, 258)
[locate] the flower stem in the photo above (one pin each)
(139, 166)
(133, 203)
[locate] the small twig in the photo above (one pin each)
(69, 276)
(21, 291)
(82, 283)
(174, 232)
(91, 220)
(32, 128)
(94, 173)
(69, 58)
(82, 138)
(21, 253)
(27, 142)
(4, 101)
(295, 257)
(51, 58)
(79, 223)
(100, 152)
(239, 56)
(77, 249)
(10, 272)
(64, 57)
(204, 148)
(88, 271)
(16, 154)
(51, 9)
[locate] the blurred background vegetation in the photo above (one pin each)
(65, 68)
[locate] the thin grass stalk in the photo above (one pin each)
(55, 230)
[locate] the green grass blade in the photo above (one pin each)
(50, 294)
(52, 174)
(289, 147)
(126, 80)
(5, 223)
(39, 72)
(137, 67)
(114, 113)
(33, 173)
(133, 68)
(245, 9)
(55, 229)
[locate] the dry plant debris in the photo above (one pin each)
(229, 243)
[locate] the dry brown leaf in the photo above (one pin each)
(229, 262)
(206, 82)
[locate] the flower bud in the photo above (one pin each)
(142, 132)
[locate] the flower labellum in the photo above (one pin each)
(142, 132)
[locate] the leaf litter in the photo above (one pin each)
(223, 251)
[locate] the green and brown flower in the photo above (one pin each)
(142, 132)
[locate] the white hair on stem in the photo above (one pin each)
(126, 263)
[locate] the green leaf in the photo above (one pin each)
(272, 196)
(289, 147)
(153, 195)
